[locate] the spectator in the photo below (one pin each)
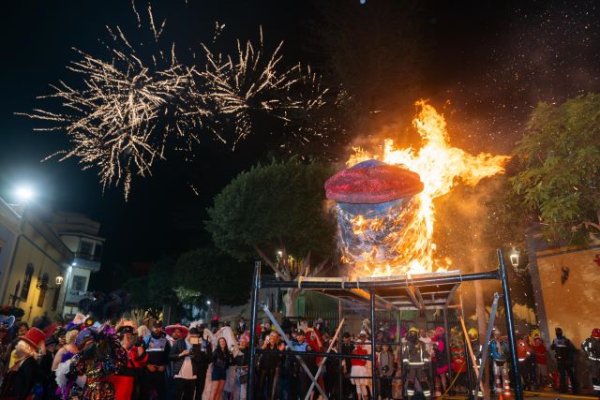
(564, 352)
(242, 361)
(202, 350)
(346, 366)
(385, 368)
(158, 348)
(184, 369)
(360, 374)
(23, 369)
(268, 367)
(222, 359)
(541, 360)
(136, 356)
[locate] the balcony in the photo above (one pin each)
(74, 296)
(87, 261)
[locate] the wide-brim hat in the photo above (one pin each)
(34, 337)
(172, 328)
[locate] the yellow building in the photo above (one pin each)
(33, 263)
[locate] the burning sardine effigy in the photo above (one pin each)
(375, 201)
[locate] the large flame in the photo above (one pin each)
(440, 167)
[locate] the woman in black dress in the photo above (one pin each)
(222, 359)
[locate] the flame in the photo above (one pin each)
(440, 167)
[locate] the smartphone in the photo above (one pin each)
(194, 340)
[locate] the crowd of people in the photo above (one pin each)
(88, 359)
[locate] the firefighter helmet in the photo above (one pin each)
(473, 334)
(596, 333)
(413, 329)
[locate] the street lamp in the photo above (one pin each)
(514, 257)
(25, 193)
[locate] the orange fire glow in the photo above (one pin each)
(440, 167)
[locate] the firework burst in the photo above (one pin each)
(129, 110)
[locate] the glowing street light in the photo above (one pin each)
(208, 302)
(25, 193)
(514, 257)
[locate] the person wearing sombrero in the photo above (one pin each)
(184, 359)
(136, 355)
(23, 370)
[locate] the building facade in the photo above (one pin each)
(81, 235)
(32, 264)
(46, 260)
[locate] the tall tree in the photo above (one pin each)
(558, 161)
(276, 212)
(214, 274)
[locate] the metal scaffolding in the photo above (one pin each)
(432, 291)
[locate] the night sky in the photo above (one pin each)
(489, 63)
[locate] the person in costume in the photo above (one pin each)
(440, 360)
(415, 360)
(136, 355)
(95, 366)
(101, 356)
(361, 368)
(458, 361)
(61, 364)
(591, 348)
(23, 369)
(541, 359)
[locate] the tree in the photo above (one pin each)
(558, 161)
(153, 290)
(214, 274)
(276, 212)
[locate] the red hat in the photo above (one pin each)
(34, 337)
(596, 333)
(172, 328)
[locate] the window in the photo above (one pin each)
(43, 289)
(79, 282)
(86, 248)
(98, 251)
(27, 281)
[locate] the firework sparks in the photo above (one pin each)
(126, 113)
(254, 81)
